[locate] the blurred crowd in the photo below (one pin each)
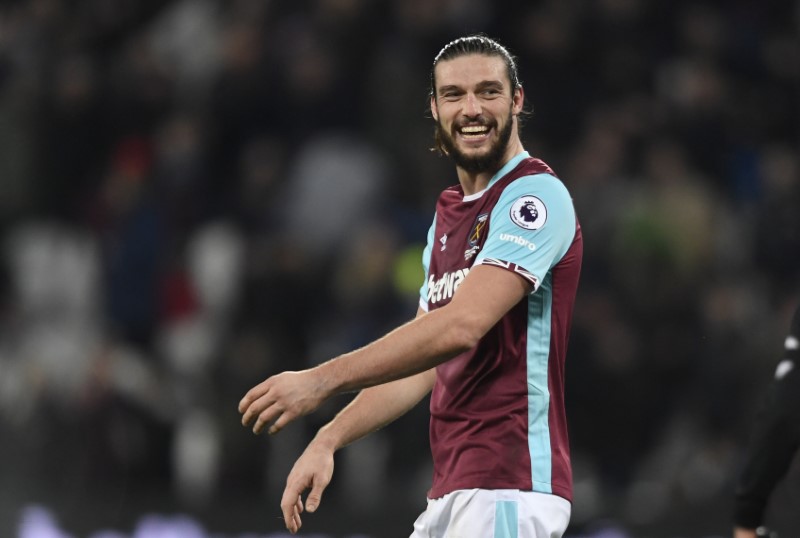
(196, 194)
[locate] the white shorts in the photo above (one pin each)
(498, 513)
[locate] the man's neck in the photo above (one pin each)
(474, 182)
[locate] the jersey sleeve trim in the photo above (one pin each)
(426, 262)
(514, 268)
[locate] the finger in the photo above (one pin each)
(299, 505)
(291, 524)
(289, 502)
(267, 416)
(244, 403)
(252, 395)
(291, 496)
(254, 411)
(296, 523)
(284, 419)
(256, 407)
(290, 515)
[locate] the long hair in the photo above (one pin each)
(476, 44)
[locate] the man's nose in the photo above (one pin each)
(472, 106)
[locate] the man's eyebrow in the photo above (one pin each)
(449, 88)
(482, 85)
(490, 84)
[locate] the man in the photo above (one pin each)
(774, 442)
(502, 265)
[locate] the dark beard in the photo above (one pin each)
(489, 162)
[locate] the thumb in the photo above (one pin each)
(315, 497)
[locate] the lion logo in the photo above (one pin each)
(528, 212)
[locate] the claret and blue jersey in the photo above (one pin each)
(497, 411)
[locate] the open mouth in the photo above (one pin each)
(474, 132)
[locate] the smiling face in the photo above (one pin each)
(476, 108)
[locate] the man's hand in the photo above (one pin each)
(314, 470)
(741, 532)
(281, 399)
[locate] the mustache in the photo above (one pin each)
(480, 120)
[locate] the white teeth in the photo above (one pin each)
(474, 129)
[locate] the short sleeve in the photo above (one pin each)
(531, 227)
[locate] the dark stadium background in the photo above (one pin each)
(195, 194)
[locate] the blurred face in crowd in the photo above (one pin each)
(475, 109)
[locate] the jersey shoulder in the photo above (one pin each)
(542, 184)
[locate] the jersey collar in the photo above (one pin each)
(509, 166)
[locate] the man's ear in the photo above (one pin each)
(434, 109)
(519, 100)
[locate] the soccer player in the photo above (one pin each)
(502, 265)
(774, 442)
